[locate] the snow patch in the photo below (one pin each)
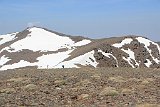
(3, 60)
(40, 39)
(81, 43)
(147, 43)
(131, 55)
(125, 41)
(21, 63)
(148, 63)
(7, 38)
(108, 55)
(86, 59)
(128, 60)
(51, 60)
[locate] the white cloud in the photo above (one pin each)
(30, 24)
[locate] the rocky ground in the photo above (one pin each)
(85, 87)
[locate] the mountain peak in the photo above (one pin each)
(41, 48)
(33, 27)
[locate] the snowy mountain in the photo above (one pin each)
(44, 49)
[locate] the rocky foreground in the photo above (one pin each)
(85, 87)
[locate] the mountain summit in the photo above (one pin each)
(45, 49)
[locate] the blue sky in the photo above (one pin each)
(91, 18)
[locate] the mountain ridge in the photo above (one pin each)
(45, 49)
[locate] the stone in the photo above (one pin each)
(109, 91)
(144, 82)
(147, 105)
(117, 79)
(126, 91)
(8, 90)
(59, 82)
(30, 87)
(83, 96)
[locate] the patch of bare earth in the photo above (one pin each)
(85, 87)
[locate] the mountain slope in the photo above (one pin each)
(42, 48)
(38, 47)
(132, 52)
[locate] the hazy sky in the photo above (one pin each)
(91, 18)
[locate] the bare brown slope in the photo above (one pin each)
(25, 54)
(95, 44)
(140, 52)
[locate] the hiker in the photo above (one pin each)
(62, 66)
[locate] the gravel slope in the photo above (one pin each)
(85, 87)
